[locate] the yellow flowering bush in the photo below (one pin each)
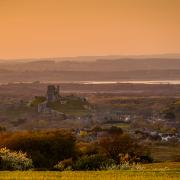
(12, 160)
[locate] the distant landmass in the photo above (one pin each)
(94, 58)
(92, 68)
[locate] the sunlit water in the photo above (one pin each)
(134, 82)
(105, 82)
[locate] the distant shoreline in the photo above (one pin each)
(171, 82)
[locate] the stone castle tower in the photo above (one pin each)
(53, 93)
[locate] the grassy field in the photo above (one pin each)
(159, 171)
(165, 153)
(175, 166)
(123, 126)
(98, 175)
(71, 107)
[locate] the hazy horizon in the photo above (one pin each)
(93, 57)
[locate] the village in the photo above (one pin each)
(56, 110)
(111, 119)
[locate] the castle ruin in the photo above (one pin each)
(53, 93)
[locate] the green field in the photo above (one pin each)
(122, 125)
(159, 171)
(71, 107)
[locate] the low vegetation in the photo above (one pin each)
(61, 150)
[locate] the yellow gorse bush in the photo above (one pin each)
(12, 160)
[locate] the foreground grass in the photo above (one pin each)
(175, 166)
(158, 171)
(98, 175)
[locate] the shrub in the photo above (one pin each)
(86, 148)
(118, 145)
(128, 166)
(64, 165)
(92, 162)
(133, 158)
(11, 160)
(108, 164)
(146, 158)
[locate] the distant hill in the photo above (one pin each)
(94, 58)
(102, 64)
(92, 68)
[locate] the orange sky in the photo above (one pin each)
(52, 28)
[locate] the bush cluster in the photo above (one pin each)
(45, 148)
(92, 162)
(60, 150)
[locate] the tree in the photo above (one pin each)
(115, 146)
